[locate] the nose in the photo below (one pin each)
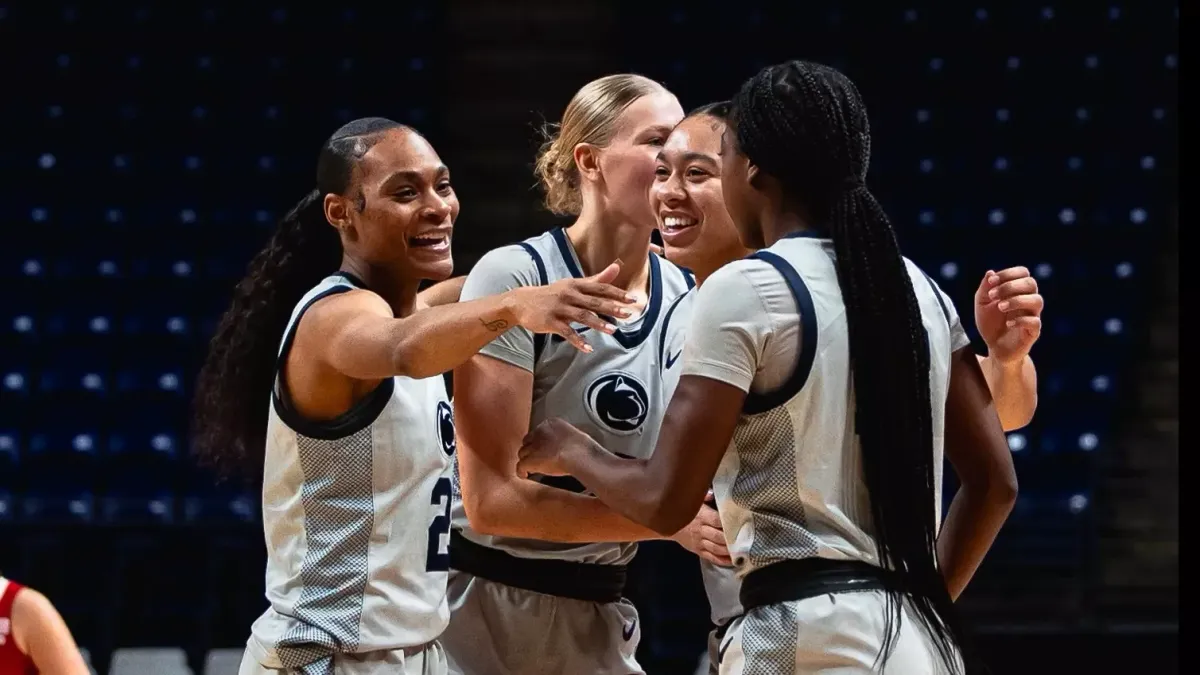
(437, 208)
(670, 191)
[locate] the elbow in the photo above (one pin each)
(486, 516)
(1002, 490)
(480, 514)
(407, 360)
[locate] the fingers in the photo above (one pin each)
(1030, 324)
(1022, 305)
(575, 339)
(608, 274)
(715, 552)
(599, 306)
(590, 320)
(992, 279)
(604, 291)
(1008, 289)
(1009, 274)
(708, 517)
(655, 248)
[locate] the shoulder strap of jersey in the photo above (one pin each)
(937, 294)
(8, 597)
(760, 403)
(539, 339)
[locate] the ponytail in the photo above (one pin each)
(805, 125)
(235, 383)
(229, 417)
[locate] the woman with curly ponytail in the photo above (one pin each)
(324, 376)
(822, 377)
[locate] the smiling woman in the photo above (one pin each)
(355, 446)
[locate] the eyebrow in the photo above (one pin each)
(412, 176)
(689, 156)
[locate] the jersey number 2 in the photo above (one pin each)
(435, 559)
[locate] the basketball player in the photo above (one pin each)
(819, 401)
(359, 433)
(539, 568)
(34, 639)
(699, 235)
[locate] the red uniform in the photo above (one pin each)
(12, 661)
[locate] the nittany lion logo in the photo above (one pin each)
(446, 428)
(619, 402)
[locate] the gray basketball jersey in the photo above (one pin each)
(791, 486)
(615, 394)
(356, 513)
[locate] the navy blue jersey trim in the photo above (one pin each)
(539, 339)
(358, 417)
(937, 294)
(760, 403)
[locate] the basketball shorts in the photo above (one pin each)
(429, 661)
(834, 633)
(496, 629)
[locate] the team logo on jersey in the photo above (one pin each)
(619, 402)
(446, 428)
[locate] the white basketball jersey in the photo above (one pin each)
(720, 583)
(791, 485)
(615, 394)
(357, 518)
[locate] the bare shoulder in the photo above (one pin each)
(31, 607)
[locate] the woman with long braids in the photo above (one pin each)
(821, 379)
(698, 234)
(324, 376)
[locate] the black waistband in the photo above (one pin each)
(802, 579)
(590, 582)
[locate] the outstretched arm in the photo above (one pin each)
(356, 334)
(661, 493)
(1008, 310)
(491, 411)
(441, 293)
(726, 342)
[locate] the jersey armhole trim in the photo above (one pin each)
(358, 417)
(539, 339)
(760, 403)
(937, 293)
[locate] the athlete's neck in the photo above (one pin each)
(398, 290)
(705, 270)
(780, 224)
(598, 242)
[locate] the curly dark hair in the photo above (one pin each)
(805, 124)
(229, 421)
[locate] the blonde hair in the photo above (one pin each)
(590, 117)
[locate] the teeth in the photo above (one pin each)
(674, 222)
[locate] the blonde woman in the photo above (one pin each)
(538, 567)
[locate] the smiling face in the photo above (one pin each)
(401, 212)
(687, 200)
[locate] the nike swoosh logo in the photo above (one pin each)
(672, 359)
(627, 631)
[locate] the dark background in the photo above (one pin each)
(150, 148)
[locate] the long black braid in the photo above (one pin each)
(806, 125)
(233, 389)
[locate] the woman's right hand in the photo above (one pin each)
(554, 307)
